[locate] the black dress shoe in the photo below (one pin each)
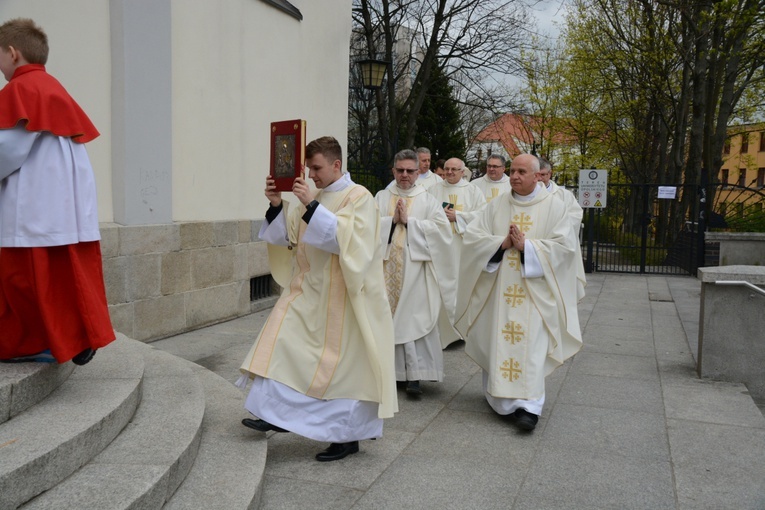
(525, 420)
(337, 451)
(261, 425)
(413, 388)
(84, 357)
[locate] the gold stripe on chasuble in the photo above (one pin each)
(333, 332)
(457, 207)
(262, 356)
(394, 266)
(494, 194)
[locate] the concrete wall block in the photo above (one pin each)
(115, 279)
(213, 304)
(110, 240)
(245, 231)
(122, 318)
(160, 317)
(176, 272)
(226, 232)
(241, 263)
(142, 239)
(212, 266)
(144, 275)
(258, 259)
(197, 234)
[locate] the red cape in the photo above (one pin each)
(38, 99)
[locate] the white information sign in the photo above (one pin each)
(667, 192)
(593, 188)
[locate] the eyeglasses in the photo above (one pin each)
(410, 171)
(454, 170)
(494, 166)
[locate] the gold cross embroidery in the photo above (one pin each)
(511, 369)
(515, 295)
(514, 258)
(513, 332)
(523, 221)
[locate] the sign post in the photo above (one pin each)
(593, 194)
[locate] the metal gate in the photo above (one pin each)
(638, 232)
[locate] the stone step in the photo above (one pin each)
(229, 468)
(147, 462)
(22, 385)
(43, 445)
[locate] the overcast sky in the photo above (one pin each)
(547, 12)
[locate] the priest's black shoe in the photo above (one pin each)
(413, 388)
(525, 420)
(261, 425)
(84, 357)
(337, 451)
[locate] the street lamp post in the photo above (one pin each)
(372, 75)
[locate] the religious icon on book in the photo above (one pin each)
(287, 152)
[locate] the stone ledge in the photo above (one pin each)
(752, 274)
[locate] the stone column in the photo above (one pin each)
(141, 111)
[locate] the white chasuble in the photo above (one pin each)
(420, 271)
(467, 201)
(330, 334)
(492, 189)
(575, 214)
(519, 329)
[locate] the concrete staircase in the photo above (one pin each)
(136, 428)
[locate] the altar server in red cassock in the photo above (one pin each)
(52, 297)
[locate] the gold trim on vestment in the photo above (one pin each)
(261, 357)
(333, 333)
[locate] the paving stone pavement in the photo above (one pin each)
(626, 423)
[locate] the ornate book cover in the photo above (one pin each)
(287, 152)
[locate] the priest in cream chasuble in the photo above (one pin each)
(495, 182)
(420, 272)
(517, 301)
(323, 363)
(461, 201)
(575, 214)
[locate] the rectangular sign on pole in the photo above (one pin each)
(593, 189)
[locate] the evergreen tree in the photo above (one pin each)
(438, 124)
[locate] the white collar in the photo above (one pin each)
(343, 182)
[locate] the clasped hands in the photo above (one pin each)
(400, 215)
(514, 239)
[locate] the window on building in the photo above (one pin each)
(744, 143)
(762, 141)
(739, 208)
(726, 147)
(724, 177)
(761, 177)
(742, 177)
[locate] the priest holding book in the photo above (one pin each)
(322, 366)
